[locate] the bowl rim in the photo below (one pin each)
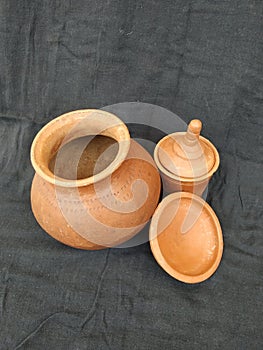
(155, 248)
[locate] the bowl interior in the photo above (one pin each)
(188, 236)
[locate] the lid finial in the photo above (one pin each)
(195, 127)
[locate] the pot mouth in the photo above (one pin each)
(71, 126)
(173, 176)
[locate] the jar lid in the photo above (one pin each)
(186, 237)
(187, 154)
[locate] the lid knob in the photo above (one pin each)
(195, 127)
(193, 131)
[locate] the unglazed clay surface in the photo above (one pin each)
(186, 160)
(96, 156)
(186, 238)
(86, 213)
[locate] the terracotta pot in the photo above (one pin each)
(91, 192)
(186, 238)
(186, 160)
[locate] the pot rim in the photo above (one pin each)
(181, 178)
(121, 135)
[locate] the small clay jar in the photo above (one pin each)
(94, 186)
(186, 237)
(186, 160)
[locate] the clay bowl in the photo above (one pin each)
(186, 237)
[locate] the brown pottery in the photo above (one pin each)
(186, 160)
(186, 238)
(94, 186)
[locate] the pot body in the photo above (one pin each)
(102, 214)
(171, 185)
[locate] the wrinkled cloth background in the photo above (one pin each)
(196, 58)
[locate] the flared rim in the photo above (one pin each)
(110, 125)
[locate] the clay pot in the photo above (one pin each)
(186, 160)
(91, 192)
(186, 238)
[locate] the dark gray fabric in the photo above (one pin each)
(196, 58)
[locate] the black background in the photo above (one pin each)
(198, 59)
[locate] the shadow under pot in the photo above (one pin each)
(94, 186)
(186, 160)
